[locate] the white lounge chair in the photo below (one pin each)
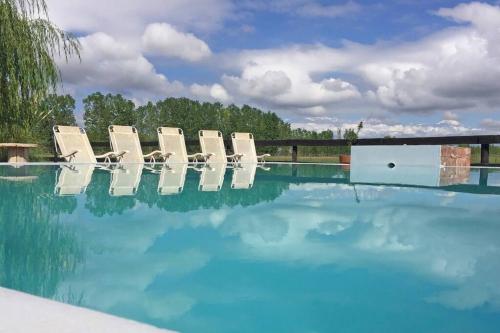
(72, 144)
(212, 177)
(244, 145)
(126, 138)
(125, 179)
(173, 146)
(212, 145)
(73, 179)
(243, 176)
(172, 179)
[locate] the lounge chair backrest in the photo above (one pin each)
(72, 138)
(126, 138)
(244, 144)
(211, 142)
(172, 141)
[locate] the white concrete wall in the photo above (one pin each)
(22, 313)
(399, 155)
(412, 165)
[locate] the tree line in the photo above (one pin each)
(102, 110)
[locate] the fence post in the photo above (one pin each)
(483, 177)
(295, 152)
(485, 153)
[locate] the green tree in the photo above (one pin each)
(104, 110)
(59, 111)
(351, 135)
(29, 42)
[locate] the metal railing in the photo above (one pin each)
(484, 140)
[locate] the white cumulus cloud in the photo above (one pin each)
(284, 78)
(379, 128)
(491, 124)
(214, 92)
(163, 39)
(110, 65)
(454, 69)
(127, 17)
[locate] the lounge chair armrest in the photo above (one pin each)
(263, 155)
(205, 156)
(73, 153)
(153, 153)
(195, 156)
(167, 155)
(112, 154)
(235, 158)
(121, 153)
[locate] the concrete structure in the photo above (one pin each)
(21, 313)
(17, 152)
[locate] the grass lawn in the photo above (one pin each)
(308, 159)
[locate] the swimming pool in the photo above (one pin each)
(291, 248)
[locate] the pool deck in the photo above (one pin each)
(21, 313)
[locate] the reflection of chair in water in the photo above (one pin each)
(73, 179)
(244, 145)
(173, 146)
(243, 176)
(212, 177)
(172, 179)
(212, 145)
(125, 179)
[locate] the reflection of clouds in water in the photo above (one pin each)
(380, 237)
(408, 228)
(218, 216)
(121, 281)
(311, 224)
(342, 191)
(447, 198)
(469, 296)
(120, 266)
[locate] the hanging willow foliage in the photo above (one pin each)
(29, 43)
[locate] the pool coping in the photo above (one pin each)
(269, 163)
(23, 312)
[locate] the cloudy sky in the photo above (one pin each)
(405, 67)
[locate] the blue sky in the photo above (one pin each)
(404, 67)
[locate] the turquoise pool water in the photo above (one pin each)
(302, 248)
